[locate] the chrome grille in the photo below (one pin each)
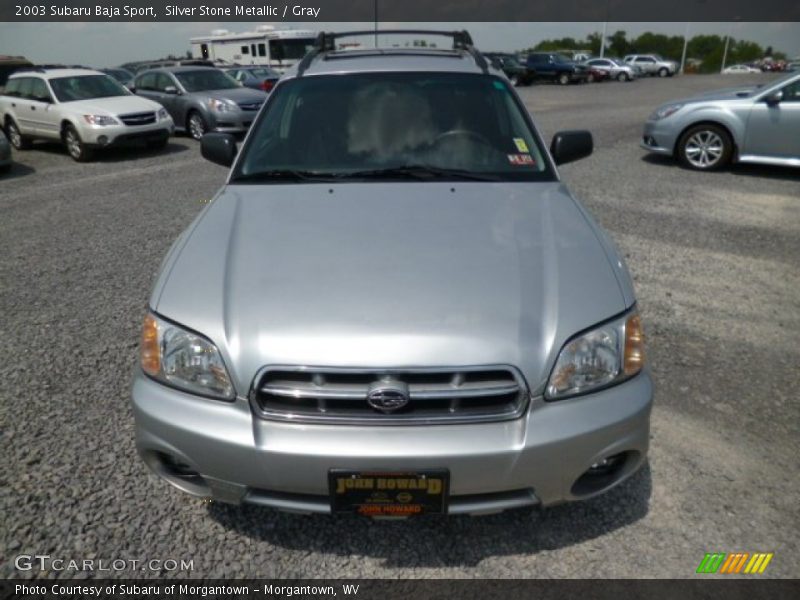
(138, 118)
(328, 395)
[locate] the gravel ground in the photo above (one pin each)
(715, 259)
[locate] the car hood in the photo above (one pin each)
(239, 95)
(116, 105)
(391, 275)
(734, 93)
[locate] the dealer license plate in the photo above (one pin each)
(393, 494)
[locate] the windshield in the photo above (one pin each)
(204, 80)
(120, 75)
(395, 125)
(562, 58)
(84, 87)
(292, 49)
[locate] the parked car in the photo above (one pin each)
(201, 99)
(123, 76)
(652, 64)
(615, 69)
(553, 66)
(517, 73)
(86, 110)
(747, 124)
(254, 77)
(394, 305)
(739, 70)
(595, 75)
(5, 153)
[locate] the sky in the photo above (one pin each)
(108, 44)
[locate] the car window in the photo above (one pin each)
(13, 87)
(340, 126)
(146, 81)
(791, 93)
(39, 90)
(25, 87)
(163, 81)
(205, 79)
(85, 87)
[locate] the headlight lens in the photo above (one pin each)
(162, 114)
(221, 105)
(607, 354)
(100, 120)
(665, 111)
(183, 359)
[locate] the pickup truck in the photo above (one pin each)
(553, 66)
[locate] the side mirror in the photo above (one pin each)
(568, 146)
(774, 98)
(171, 89)
(219, 148)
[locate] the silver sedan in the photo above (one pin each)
(750, 124)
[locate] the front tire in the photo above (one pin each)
(514, 79)
(563, 79)
(196, 125)
(75, 146)
(18, 141)
(623, 77)
(663, 72)
(705, 147)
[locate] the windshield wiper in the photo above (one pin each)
(281, 174)
(421, 172)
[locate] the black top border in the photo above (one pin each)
(261, 11)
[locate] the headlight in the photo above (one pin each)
(605, 355)
(100, 120)
(183, 359)
(221, 105)
(162, 114)
(665, 111)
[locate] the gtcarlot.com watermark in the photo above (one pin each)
(45, 562)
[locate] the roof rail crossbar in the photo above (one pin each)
(326, 42)
(311, 54)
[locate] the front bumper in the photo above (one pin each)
(119, 135)
(536, 459)
(659, 138)
(237, 121)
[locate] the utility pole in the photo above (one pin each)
(375, 13)
(603, 40)
(685, 45)
(725, 54)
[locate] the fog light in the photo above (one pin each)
(102, 140)
(602, 474)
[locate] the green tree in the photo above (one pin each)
(618, 44)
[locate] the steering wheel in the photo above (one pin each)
(465, 133)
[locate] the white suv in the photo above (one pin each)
(85, 109)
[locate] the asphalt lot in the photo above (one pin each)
(715, 258)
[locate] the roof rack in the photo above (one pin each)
(326, 42)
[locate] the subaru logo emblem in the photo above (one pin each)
(387, 396)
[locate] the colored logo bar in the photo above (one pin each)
(736, 562)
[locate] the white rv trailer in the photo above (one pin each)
(277, 48)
